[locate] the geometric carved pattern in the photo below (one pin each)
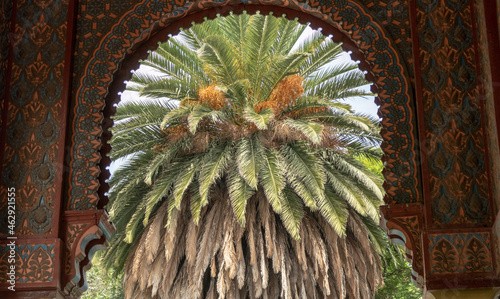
(394, 16)
(5, 13)
(72, 231)
(33, 117)
(140, 21)
(454, 133)
(460, 253)
(34, 263)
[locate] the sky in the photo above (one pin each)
(362, 105)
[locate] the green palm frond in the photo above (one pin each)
(142, 109)
(174, 117)
(200, 112)
(322, 76)
(179, 61)
(237, 92)
(289, 33)
(342, 86)
(261, 119)
(376, 234)
(310, 42)
(362, 190)
(135, 226)
(196, 201)
(280, 67)
(303, 163)
(159, 162)
(292, 212)
(334, 208)
(157, 194)
(303, 190)
(311, 130)
(220, 59)
(195, 35)
(261, 34)
(324, 53)
(272, 178)
(239, 194)
(212, 167)
(249, 157)
(189, 169)
(169, 88)
(347, 189)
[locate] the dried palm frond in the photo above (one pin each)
(274, 264)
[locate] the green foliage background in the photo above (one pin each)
(397, 276)
(396, 270)
(102, 284)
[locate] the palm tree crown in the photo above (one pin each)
(245, 142)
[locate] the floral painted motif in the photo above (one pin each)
(460, 253)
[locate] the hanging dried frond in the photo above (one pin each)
(255, 261)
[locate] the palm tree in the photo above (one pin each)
(241, 180)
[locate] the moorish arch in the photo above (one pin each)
(430, 65)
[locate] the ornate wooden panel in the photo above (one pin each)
(454, 122)
(34, 108)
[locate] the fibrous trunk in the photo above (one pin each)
(218, 258)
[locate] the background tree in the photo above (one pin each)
(241, 179)
(397, 276)
(396, 270)
(103, 284)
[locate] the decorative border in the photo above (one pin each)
(379, 58)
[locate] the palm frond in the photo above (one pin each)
(324, 53)
(292, 212)
(212, 167)
(175, 116)
(311, 130)
(289, 33)
(199, 112)
(260, 36)
(239, 194)
(219, 59)
(261, 119)
(249, 157)
(183, 180)
(334, 209)
(304, 164)
(272, 178)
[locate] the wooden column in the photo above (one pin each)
(37, 68)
